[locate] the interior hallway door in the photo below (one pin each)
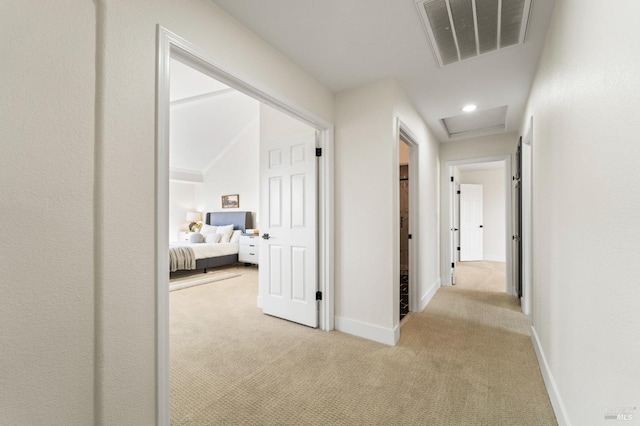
(471, 227)
(288, 218)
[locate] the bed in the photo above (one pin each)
(212, 255)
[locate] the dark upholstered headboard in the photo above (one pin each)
(240, 220)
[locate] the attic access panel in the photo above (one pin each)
(463, 29)
(491, 120)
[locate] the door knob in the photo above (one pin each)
(265, 236)
(480, 226)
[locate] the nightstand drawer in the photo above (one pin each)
(184, 236)
(249, 240)
(249, 249)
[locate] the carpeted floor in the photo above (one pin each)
(466, 359)
(481, 276)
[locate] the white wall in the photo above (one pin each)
(181, 200)
(493, 206)
(47, 99)
(234, 172)
(586, 232)
(366, 176)
(482, 147)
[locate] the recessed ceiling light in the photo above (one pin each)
(469, 108)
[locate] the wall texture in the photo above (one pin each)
(586, 232)
(47, 98)
(181, 200)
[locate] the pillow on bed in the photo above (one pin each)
(207, 229)
(212, 238)
(196, 237)
(226, 232)
(235, 237)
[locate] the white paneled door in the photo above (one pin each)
(471, 227)
(288, 267)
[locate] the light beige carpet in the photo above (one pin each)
(481, 276)
(466, 360)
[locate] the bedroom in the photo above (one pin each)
(214, 142)
(214, 150)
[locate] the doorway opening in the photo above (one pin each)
(171, 47)
(480, 220)
(406, 267)
(404, 228)
(526, 227)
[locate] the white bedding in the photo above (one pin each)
(204, 250)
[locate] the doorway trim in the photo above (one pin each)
(527, 227)
(171, 45)
(404, 132)
(449, 165)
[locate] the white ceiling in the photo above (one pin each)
(206, 117)
(345, 44)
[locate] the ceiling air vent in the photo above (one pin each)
(462, 29)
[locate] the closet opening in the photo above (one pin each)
(405, 234)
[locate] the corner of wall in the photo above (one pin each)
(428, 295)
(387, 336)
(549, 381)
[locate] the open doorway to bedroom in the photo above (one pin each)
(212, 128)
(213, 156)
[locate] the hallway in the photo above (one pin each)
(466, 359)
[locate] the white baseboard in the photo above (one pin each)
(368, 331)
(494, 258)
(259, 302)
(549, 382)
(426, 298)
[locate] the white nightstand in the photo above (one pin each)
(249, 249)
(184, 235)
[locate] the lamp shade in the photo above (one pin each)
(194, 217)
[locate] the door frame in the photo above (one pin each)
(527, 223)
(170, 45)
(404, 132)
(302, 311)
(506, 159)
